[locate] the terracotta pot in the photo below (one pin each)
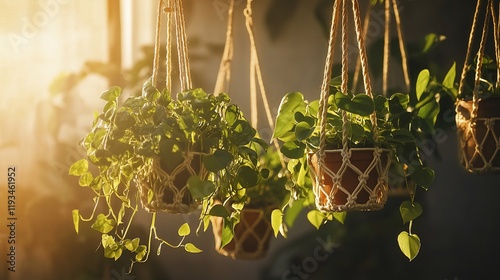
(251, 235)
(170, 191)
(479, 138)
(346, 196)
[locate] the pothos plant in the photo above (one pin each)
(403, 125)
(126, 138)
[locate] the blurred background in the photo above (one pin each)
(57, 56)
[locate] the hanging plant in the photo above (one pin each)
(376, 130)
(157, 153)
(478, 117)
(241, 221)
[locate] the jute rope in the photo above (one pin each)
(166, 196)
(476, 154)
(377, 193)
(224, 75)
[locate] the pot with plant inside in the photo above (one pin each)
(253, 231)
(165, 154)
(478, 122)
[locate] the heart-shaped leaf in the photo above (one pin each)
(409, 244)
(219, 211)
(184, 230)
(303, 130)
(247, 176)
(79, 168)
(423, 176)
(293, 149)
(410, 211)
(217, 161)
(316, 218)
(449, 79)
(361, 104)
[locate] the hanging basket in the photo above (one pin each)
(161, 191)
(479, 137)
(354, 181)
(251, 235)
(478, 120)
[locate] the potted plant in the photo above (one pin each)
(402, 125)
(166, 153)
(478, 122)
(478, 119)
(253, 231)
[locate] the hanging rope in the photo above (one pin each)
(469, 49)
(385, 64)
(224, 75)
(182, 49)
(156, 57)
(402, 48)
(357, 69)
(329, 183)
(479, 139)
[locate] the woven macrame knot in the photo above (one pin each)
(489, 123)
(363, 177)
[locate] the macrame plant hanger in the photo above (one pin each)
(249, 242)
(325, 196)
(159, 190)
(478, 135)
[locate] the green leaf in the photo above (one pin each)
(361, 104)
(103, 224)
(190, 248)
(293, 149)
(247, 176)
(227, 232)
(409, 244)
(293, 212)
(316, 218)
(276, 221)
(200, 189)
(111, 94)
(76, 219)
(79, 168)
(423, 176)
(303, 130)
(449, 79)
(398, 103)
(141, 252)
(219, 211)
(429, 112)
(184, 230)
(132, 245)
(403, 136)
(340, 216)
(217, 161)
(86, 179)
(291, 103)
(410, 211)
(422, 82)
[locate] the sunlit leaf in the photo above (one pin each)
(76, 219)
(316, 218)
(422, 82)
(79, 168)
(184, 230)
(409, 244)
(189, 247)
(276, 220)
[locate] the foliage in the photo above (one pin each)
(402, 125)
(126, 138)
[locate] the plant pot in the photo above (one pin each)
(251, 235)
(170, 192)
(357, 183)
(479, 137)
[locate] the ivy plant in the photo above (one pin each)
(403, 121)
(126, 137)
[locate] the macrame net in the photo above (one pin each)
(478, 121)
(251, 235)
(161, 190)
(367, 187)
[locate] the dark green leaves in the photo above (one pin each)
(361, 104)
(423, 176)
(218, 160)
(410, 211)
(293, 149)
(200, 189)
